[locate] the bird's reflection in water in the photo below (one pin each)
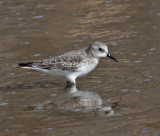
(76, 100)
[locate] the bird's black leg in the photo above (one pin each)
(70, 84)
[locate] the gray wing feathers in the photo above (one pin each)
(66, 62)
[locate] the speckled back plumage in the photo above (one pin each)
(69, 61)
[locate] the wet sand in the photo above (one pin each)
(116, 99)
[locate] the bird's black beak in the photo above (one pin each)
(110, 56)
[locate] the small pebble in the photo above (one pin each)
(127, 61)
(84, 38)
(125, 108)
(38, 17)
(29, 72)
(74, 14)
(78, 110)
(158, 14)
(31, 85)
(130, 117)
(25, 106)
(127, 16)
(150, 53)
(53, 95)
(50, 7)
(147, 80)
(127, 36)
(7, 129)
(93, 23)
(155, 27)
(138, 61)
(92, 132)
(46, 86)
(36, 55)
(118, 115)
(127, 0)
(48, 118)
(134, 54)
(49, 107)
(137, 91)
(115, 52)
(43, 74)
(152, 49)
(19, 18)
(115, 127)
(98, 82)
(14, 66)
(75, 131)
(132, 26)
(135, 32)
(145, 131)
(49, 129)
(76, 45)
(12, 74)
(115, 44)
(27, 43)
(109, 2)
(40, 108)
(13, 93)
(124, 90)
(3, 104)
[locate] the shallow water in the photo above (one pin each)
(115, 99)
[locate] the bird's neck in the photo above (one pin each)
(91, 55)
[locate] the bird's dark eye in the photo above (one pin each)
(100, 49)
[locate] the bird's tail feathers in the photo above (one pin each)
(26, 65)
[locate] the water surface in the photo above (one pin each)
(115, 99)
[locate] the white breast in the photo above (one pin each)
(87, 67)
